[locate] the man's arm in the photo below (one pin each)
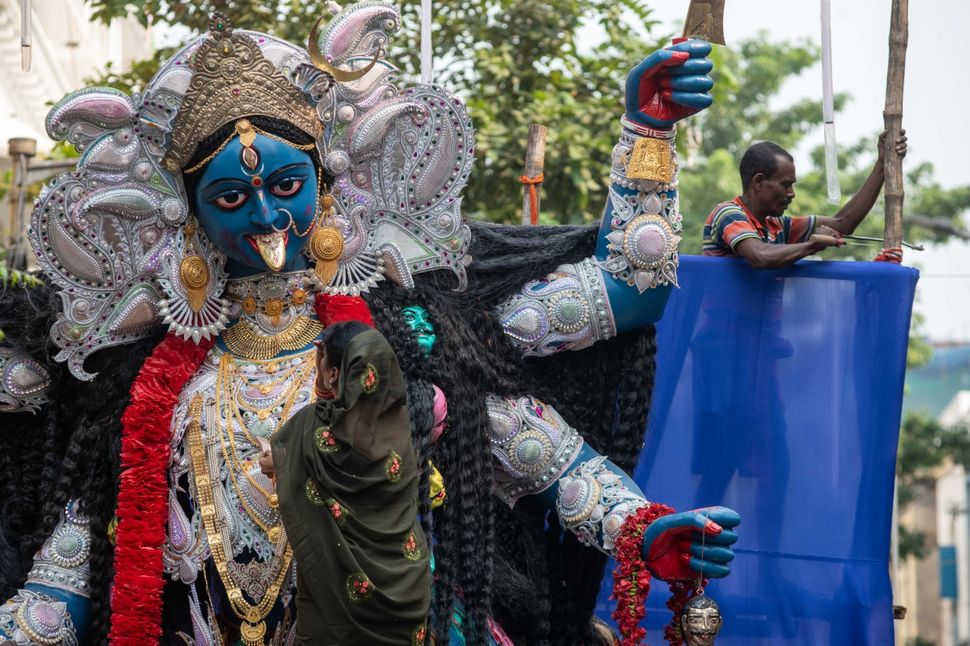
(858, 207)
(762, 255)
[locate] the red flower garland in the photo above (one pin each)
(631, 579)
(136, 596)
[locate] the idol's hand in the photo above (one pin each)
(670, 84)
(681, 547)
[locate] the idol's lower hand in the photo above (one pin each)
(670, 84)
(686, 545)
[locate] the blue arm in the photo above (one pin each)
(626, 283)
(540, 457)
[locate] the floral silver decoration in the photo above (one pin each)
(23, 382)
(400, 161)
(645, 225)
(34, 619)
(567, 310)
(592, 502)
(531, 443)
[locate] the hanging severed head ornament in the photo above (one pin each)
(700, 621)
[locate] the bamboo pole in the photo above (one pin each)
(535, 156)
(893, 118)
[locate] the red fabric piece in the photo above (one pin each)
(136, 595)
(631, 579)
(890, 255)
(335, 309)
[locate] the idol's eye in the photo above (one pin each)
(287, 187)
(231, 200)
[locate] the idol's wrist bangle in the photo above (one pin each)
(646, 131)
(593, 502)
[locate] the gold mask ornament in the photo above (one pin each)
(193, 272)
(326, 243)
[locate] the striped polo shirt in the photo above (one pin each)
(731, 222)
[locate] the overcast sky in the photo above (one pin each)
(936, 114)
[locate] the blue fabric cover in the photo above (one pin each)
(778, 394)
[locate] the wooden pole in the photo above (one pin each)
(893, 117)
(535, 160)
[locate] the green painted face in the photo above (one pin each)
(419, 320)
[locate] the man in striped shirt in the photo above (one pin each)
(753, 225)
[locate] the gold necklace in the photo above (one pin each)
(253, 627)
(228, 411)
(242, 341)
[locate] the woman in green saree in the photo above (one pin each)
(347, 484)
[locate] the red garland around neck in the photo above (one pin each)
(631, 579)
(136, 596)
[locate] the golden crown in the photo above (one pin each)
(232, 80)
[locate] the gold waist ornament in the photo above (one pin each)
(253, 616)
(243, 341)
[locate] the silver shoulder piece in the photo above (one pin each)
(531, 443)
(23, 382)
(62, 561)
(400, 159)
(567, 310)
(592, 502)
(35, 619)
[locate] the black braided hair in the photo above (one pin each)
(516, 565)
(68, 451)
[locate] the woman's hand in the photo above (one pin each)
(681, 547)
(266, 459)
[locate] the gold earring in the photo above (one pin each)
(193, 272)
(326, 243)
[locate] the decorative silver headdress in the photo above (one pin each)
(111, 235)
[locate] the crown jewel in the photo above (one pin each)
(233, 79)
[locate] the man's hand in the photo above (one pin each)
(825, 237)
(669, 85)
(680, 547)
(901, 146)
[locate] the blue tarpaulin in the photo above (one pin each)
(778, 394)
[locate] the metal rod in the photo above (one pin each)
(427, 55)
(25, 12)
(914, 247)
(828, 108)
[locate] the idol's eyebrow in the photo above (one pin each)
(303, 166)
(229, 182)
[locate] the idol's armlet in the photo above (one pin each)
(625, 284)
(53, 605)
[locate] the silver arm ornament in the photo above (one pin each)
(592, 502)
(23, 382)
(31, 617)
(566, 310)
(531, 443)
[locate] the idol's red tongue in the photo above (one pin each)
(272, 248)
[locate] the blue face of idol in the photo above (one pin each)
(260, 218)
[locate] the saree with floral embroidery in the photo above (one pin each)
(347, 482)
